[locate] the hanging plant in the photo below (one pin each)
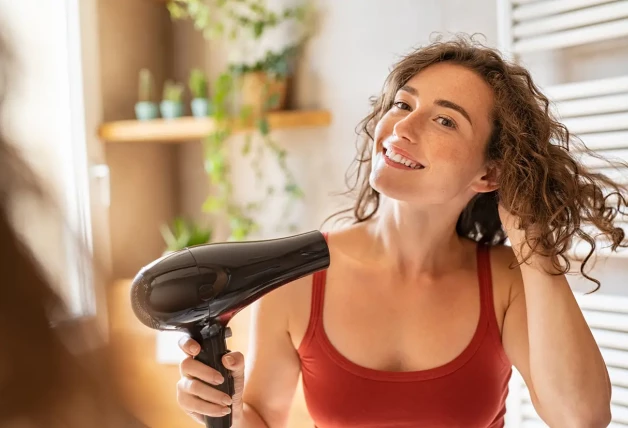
(235, 21)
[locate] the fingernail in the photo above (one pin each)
(194, 348)
(218, 380)
(227, 401)
(229, 359)
(226, 411)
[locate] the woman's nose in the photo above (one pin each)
(408, 127)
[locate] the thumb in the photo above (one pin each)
(234, 361)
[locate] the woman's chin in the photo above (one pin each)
(392, 188)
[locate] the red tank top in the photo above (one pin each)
(469, 391)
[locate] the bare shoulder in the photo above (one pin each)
(507, 280)
(341, 237)
(286, 296)
(347, 245)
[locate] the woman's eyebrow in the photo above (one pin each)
(442, 103)
(454, 106)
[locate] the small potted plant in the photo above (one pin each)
(265, 83)
(200, 98)
(172, 101)
(184, 233)
(146, 108)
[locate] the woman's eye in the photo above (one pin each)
(447, 122)
(401, 105)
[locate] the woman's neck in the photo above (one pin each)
(417, 241)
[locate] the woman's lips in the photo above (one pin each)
(399, 158)
(403, 153)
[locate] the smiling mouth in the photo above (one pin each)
(397, 158)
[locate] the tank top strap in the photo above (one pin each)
(316, 307)
(486, 295)
(485, 280)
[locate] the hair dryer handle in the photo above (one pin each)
(213, 341)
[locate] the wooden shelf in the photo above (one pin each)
(191, 128)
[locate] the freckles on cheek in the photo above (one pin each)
(449, 154)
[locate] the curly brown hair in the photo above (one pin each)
(542, 182)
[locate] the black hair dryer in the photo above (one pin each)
(200, 288)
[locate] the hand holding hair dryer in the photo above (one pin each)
(199, 289)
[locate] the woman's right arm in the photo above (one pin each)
(272, 370)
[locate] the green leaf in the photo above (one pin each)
(176, 10)
(184, 233)
(238, 233)
(213, 204)
(220, 114)
(246, 149)
(215, 166)
(194, 7)
(258, 29)
(199, 237)
(246, 112)
(263, 126)
(272, 101)
(294, 190)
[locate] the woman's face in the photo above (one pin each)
(430, 146)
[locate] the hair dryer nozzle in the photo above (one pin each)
(215, 281)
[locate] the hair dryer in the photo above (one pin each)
(200, 288)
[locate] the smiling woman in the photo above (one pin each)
(423, 313)
(457, 106)
(428, 125)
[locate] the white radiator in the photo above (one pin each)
(528, 26)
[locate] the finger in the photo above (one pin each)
(189, 345)
(234, 361)
(195, 405)
(190, 367)
(203, 391)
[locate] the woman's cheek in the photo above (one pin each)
(450, 152)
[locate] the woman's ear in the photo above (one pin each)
(489, 181)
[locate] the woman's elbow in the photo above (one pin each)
(598, 416)
(603, 418)
(593, 418)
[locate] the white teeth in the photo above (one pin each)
(396, 157)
